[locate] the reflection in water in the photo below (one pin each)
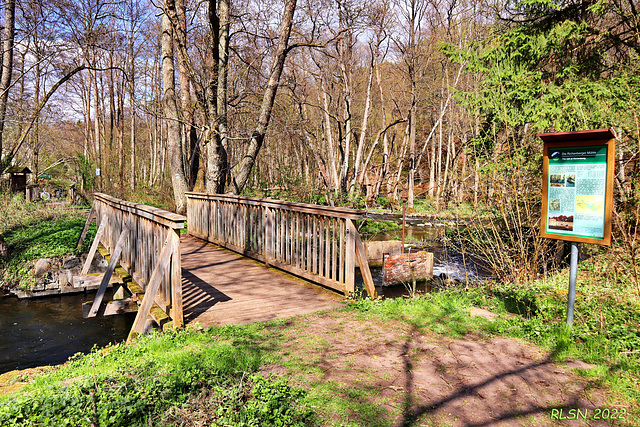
(47, 331)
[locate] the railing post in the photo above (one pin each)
(176, 280)
(268, 231)
(350, 258)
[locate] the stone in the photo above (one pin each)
(5, 249)
(64, 278)
(70, 262)
(42, 267)
(52, 286)
(376, 250)
(37, 287)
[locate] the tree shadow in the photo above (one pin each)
(412, 413)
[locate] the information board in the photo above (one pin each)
(578, 186)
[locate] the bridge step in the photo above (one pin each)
(135, 290)
(111, 308)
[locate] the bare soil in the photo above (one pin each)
(391, 373)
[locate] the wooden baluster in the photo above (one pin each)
(314, 244)
(334, 250)
(176, 281)
(327, 246)
(307, 242)
(321, 259)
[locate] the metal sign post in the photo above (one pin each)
(573, 273)
(577, 193)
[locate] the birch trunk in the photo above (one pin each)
(268, 100)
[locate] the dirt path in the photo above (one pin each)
(390, 373)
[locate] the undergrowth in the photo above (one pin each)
(35, 231)
(177, 378)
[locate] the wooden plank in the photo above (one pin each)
(314, 244)
(307, 234)
(334, 250)
(161, 216)
(321, 258)
(349, 262)
(115, 257)
(297, 250)
(354, 214)
(86, 225)
(111, 308)
(94, 245)
(281, 265)
(361, 257)
(341, 261)
(268, 231)
(158, 272)
(327, 247)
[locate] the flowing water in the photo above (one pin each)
(428, 235)
(47, 331)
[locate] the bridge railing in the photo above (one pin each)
(145, 241)
(319, 243)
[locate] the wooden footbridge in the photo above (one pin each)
(229, 267)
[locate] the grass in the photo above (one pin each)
(427, 207)
(211, 374)
(222, 375)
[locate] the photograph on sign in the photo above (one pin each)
(576, 191)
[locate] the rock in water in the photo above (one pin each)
(70, 262)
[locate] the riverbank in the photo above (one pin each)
(426, 360)
(33, 232)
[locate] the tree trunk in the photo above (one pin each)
(268, 100)
(176, 169)
(7, 66)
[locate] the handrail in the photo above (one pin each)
(319, 243)
(145, 241)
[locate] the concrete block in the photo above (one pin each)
(377, 249)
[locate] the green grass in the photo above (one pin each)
(155, 380)
(213, 376)
(428, 207)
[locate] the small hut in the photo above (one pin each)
(18, 178)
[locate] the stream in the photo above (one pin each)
(427, 234)
(47, 331)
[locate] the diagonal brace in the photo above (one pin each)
(94, 245)
(115, 257)
(150, 292)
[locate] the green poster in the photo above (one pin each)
(576, 191)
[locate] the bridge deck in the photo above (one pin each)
(221, 287)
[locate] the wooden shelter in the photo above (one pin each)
(18, 178)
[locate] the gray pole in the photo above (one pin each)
(573, 272)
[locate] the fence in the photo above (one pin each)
(319, 243)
